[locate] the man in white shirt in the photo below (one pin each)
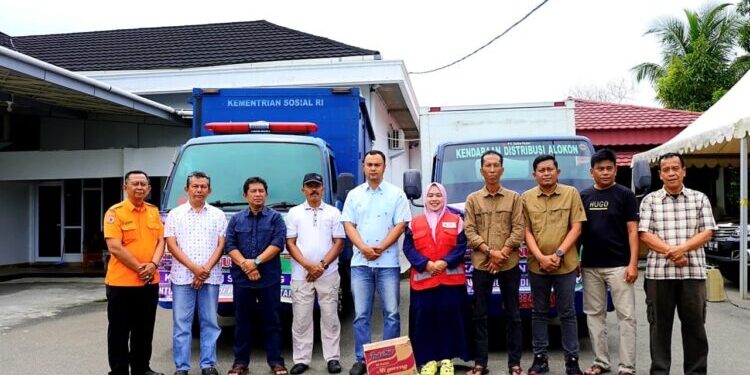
(195, 238)
(315, 238)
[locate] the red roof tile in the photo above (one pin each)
(613, 125)
(593, 115)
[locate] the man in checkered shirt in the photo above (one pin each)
(675, 224)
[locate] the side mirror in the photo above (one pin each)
(344, 184)
(413, 185)
(641, 177)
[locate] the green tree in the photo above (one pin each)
(697, 58)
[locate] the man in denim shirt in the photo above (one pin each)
(255, 236)
(375, 216)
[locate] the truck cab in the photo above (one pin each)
(279, 135)
(456, 165)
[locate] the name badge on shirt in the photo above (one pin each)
(449, 225)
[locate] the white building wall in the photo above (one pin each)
(398, 160)
(72, 134)
(59, 165)
(15, 223)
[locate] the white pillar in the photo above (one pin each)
(743, 217)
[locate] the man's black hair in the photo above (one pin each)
(254, 180)
(542, 158)
(127, 175)
(670, 155)
(490, 152)
(197, 174)
(604, 154)
(376, 152)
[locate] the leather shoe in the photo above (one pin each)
(152, 372)
(334, 367)
(358, 368)
(209, 371)
(298, 368)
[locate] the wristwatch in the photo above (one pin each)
(257, 261)
(324, 264)
(560, 253)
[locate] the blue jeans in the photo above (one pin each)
(565, 293)
(365, 280)
(184, 299)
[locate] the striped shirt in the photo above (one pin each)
(676, 220)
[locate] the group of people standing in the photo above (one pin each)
(551, 218)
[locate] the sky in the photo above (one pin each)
(566, 44)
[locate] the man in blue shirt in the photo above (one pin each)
(255, 236)
(375, 216)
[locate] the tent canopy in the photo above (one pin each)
(713, 138)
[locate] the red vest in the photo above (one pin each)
(446, 236)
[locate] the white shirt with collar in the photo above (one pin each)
(197, 233)
(315, 229)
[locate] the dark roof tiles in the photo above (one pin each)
(181, 46)
(5, 41)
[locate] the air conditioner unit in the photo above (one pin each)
(396, 139)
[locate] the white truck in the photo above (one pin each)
(452, 139)
(440, 125)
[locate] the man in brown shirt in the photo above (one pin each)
(494, 230)
(553, 214)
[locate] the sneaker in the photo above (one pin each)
(572, 367)
(540, 365)
(429, 368)
(358, 368)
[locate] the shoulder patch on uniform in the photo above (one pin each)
(110, 218)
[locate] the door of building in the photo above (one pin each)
(50, 218)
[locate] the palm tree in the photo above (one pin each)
(713, 25)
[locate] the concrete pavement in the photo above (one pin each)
(46, 335)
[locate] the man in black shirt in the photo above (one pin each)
(609, 258)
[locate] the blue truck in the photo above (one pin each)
(280, 135)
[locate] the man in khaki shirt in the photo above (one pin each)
(553, 214)
(494, 230)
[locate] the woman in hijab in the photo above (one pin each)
(435, 245)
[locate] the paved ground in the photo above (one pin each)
(59, 326)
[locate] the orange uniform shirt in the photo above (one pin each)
(139, 229)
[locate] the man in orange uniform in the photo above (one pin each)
(135, 238)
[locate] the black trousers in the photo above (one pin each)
(131, 312)
(509, 282)
(688, 297)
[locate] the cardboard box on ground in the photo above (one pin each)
(391, 357)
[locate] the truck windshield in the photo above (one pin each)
(459, 167)
(282, 165)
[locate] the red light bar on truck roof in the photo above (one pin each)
(262, 127)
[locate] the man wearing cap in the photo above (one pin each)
(375, 215)
(315, 238)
